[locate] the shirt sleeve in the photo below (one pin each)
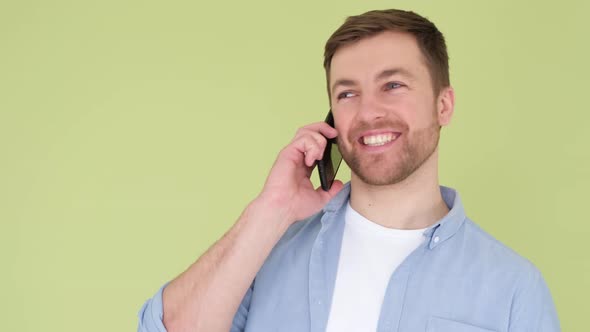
(533, 309)
(152, 312)
(239, 322)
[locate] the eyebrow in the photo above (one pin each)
(384, 74)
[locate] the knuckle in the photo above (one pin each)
(302, 130)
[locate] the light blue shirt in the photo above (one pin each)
(460, 279)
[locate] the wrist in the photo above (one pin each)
(273, 209)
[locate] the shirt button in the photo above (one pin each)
(436, 239)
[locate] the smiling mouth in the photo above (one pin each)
(380, 139)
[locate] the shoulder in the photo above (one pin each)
(298, 239)
(531, 305)
(497, 256)
(302, 230)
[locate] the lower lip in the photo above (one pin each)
(378, 148)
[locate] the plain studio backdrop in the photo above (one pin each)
(133, 133)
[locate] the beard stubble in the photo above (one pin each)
(391, 167)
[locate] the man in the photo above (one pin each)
(390, 251)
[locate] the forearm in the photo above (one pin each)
(206, 296)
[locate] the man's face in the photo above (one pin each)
(384, 107)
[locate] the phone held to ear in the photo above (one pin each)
(328, 165)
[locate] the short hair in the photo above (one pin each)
(430, 40)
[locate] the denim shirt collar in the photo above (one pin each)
(436, 234)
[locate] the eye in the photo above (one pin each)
(393, 85)
(346, 94)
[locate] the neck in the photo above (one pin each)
(414, 203)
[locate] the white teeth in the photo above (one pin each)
(377, 140)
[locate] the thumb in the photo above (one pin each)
(337, 185)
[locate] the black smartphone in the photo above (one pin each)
(328, 165)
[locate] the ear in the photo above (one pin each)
(445, 105)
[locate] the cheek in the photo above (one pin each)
(342, 132)
(402, 102)
(342, 125)
(403, 109)
(416, 112)
(347, 107)
(341, 120)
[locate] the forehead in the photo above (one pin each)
(371, 55)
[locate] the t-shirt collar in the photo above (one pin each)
(438, 233)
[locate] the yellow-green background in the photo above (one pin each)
(132, 134)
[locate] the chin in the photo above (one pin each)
(383, 172)
(381, 178)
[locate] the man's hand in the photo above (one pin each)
(288, 187)
(207, 295)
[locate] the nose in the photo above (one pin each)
(370, 109)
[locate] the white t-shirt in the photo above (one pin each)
(369, 255)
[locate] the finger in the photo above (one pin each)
(310, 149)
(320, 140)
(319, 127)
(315, 153)
(337, 185)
